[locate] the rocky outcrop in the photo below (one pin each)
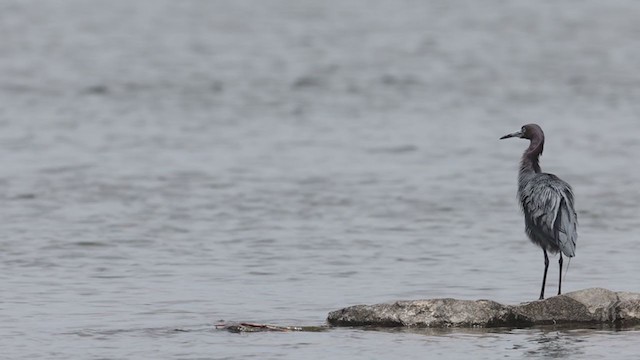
(589, 306)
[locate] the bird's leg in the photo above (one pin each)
(544, 278)
(560, 280)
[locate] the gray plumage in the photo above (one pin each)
(550, 219)
(547, 203)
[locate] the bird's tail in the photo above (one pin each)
(566, 270)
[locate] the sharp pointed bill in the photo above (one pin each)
(515, 134)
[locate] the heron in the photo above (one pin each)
(547, 203)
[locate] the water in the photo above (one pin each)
(167, 165)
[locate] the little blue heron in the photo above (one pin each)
(547, 202)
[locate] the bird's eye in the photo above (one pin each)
(524, 129)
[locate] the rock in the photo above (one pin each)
(589, 306)
(426, 313)
(628, 307)
(244, 327)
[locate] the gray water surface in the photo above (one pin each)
(170, 164)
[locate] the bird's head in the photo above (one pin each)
(529, 131)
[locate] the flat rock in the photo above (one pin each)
(589, 306)
(246, 327)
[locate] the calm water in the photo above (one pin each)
(170, 164)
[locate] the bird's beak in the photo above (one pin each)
(515, 134)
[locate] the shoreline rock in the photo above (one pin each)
(588, 306)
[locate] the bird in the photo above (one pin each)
(547, 202)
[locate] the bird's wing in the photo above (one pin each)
(547, 202)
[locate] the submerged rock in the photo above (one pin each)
(589, 306)
(245, 327)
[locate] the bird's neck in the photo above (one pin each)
(529, 162)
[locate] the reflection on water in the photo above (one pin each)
(554, 344)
